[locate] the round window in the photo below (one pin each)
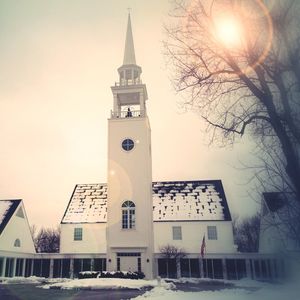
(127, 144)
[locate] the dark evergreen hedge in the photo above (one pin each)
(106, 274)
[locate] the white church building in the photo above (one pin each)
(130, 218)
(123, 224)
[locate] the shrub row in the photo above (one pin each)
(106, 274)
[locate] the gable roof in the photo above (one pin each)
(7, 209)
(88, 204)
(172, 201)
(189, 201)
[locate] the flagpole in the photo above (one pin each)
(202, 252)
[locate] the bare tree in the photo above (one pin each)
(281, 214)
(250, 84)
(33, 230)
(172, 252)
(246, 233)
(47, 240)
(270, 177)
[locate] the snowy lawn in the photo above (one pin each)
(208, 282)
(31, 280)
(244, 289)
(276, 293)
(107, 283)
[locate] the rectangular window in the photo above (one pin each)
(19, 267)
(177, 235)
(77, 234)
(139, 265)
(131, 218)
(128, 219)
(9, 267)
(212, 232)
(28, 267)
(124, 219)
(118, 263)
(99, 264)
(128, 74)
(128, 254)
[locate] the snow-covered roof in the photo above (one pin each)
(88, 204)
(172, 201)
(189, 201)
(7, 208)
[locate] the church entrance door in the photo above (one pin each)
(129, 264)
(129, 261)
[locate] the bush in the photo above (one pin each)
(106, 274)
(88, 274)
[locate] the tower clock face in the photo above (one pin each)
(128, 144)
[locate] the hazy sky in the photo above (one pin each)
(58, 60)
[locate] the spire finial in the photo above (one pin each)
(129, 54)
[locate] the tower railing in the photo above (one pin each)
(128, 82)
(127, 114)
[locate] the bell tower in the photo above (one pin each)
(130, 216)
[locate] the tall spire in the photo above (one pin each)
(129, 54)
(135, 93)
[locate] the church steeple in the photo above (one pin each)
(129, 54)
(129, 93)
(130, 244)
(129, 72)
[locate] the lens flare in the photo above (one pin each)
(238, 27)
(228, 32)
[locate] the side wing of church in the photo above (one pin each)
(183, 212)
(15, 235)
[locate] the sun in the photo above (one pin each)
(228, 32)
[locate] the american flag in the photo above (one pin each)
(203, 246)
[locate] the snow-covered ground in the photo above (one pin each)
(91, 283)
(160, 293)
(244, 289)
(31, 280)
(242, 283)
(107, 283)
(264, 293)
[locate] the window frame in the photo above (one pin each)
(128, 215)
(128, 144)
(177, 233)
(20, 213)
(212, 233)
(78, 234)
(17, 243)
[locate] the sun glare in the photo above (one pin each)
(228, 31)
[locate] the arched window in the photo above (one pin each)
(17, 243)
(128, 215)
